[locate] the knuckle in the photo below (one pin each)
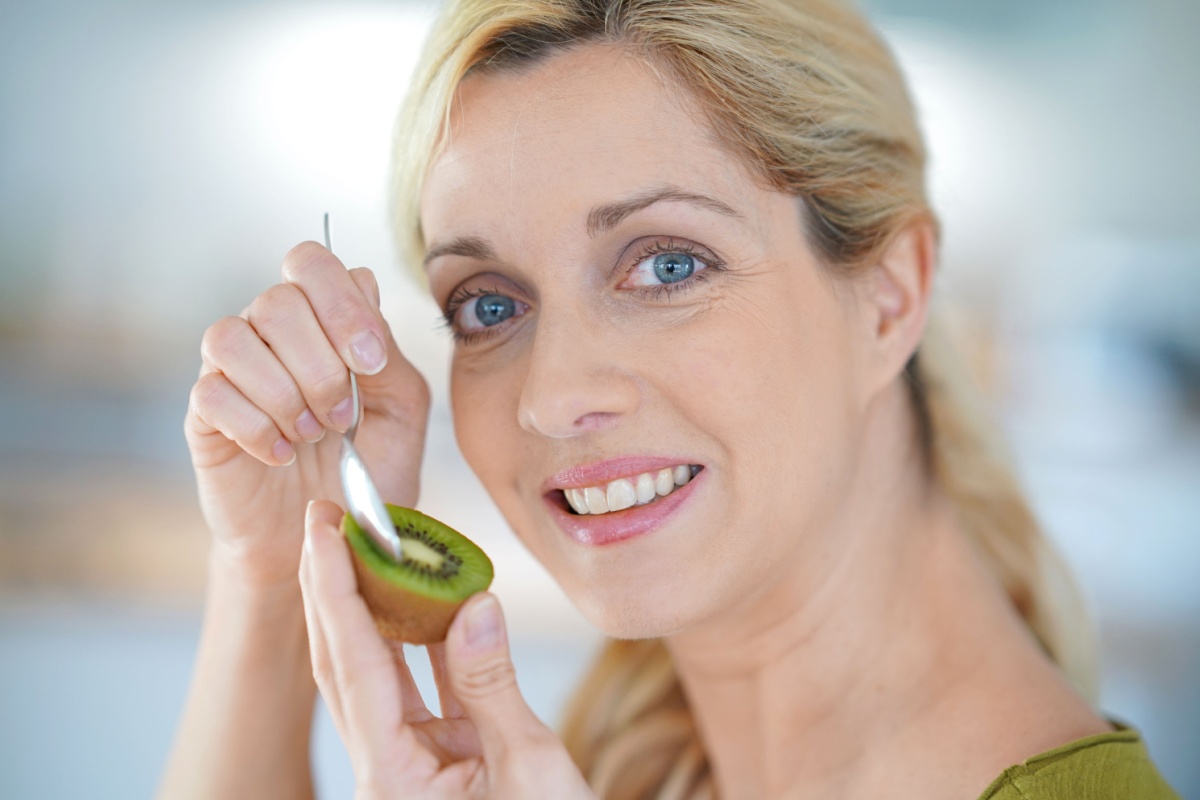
(259, 429)
(222, 338)
(276, 306)
(328, 386)
(209, 397)
(486, 679)
(350, 312)
(303, 260)
(282, 397)
(207, 392)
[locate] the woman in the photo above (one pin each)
(688, 237)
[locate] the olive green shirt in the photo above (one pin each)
(1108, 766)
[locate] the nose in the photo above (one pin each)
(575, 383)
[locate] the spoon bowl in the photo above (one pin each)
(362, 498)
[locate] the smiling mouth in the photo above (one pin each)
(643, 489)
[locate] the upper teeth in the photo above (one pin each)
(625, 492)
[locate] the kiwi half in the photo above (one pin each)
(414, 600)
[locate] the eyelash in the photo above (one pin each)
(665, 290)
(460, 297)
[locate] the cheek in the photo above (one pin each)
(483, 404)
(770, 382)
(771, 376)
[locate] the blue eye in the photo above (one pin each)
(477, 312)
(665, 268)
(492, 309)
(673, 267)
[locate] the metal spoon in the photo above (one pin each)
(362, 498)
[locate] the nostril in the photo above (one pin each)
(570, 394)
(596, 421)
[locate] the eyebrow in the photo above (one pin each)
(606, 217)
(471, 246)
(600, 219)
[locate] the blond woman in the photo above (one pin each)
(680, 238)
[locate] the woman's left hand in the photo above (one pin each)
(487, 743)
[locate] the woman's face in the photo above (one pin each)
(627, 301)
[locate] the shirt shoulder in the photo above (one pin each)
(1107, 766)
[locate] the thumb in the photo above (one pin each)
(483, 679)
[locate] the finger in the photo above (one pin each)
(348, 317)
(410, 696)
(360, 662)
(482, 676)
(451, 707)
(284, 320)
(232, 346)
(366, 282)
(318, 649)
(216, 406)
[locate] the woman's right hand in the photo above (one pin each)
(274, 382)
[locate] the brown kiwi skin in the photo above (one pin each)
(401, 615)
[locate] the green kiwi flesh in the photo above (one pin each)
(414, 600)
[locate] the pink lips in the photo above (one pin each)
(615, 526)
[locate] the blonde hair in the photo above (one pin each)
(811, 100)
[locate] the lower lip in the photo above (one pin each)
(617, 526)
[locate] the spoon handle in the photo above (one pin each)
(362, 498)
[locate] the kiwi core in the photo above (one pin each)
(414, 599)
(431, 559)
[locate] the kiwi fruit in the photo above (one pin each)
(414, 600)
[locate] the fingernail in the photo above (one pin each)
(342, 414)
(283, 452)
(368, 353)
(307, 426)
(483, 624)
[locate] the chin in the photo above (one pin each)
(633, 614)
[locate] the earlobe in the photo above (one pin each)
(898, 296)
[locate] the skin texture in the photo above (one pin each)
(833, 630)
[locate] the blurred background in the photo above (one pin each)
(158, 159)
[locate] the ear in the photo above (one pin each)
(894, 300)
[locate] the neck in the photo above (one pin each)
(793, 689)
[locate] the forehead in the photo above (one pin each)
(588, 125)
